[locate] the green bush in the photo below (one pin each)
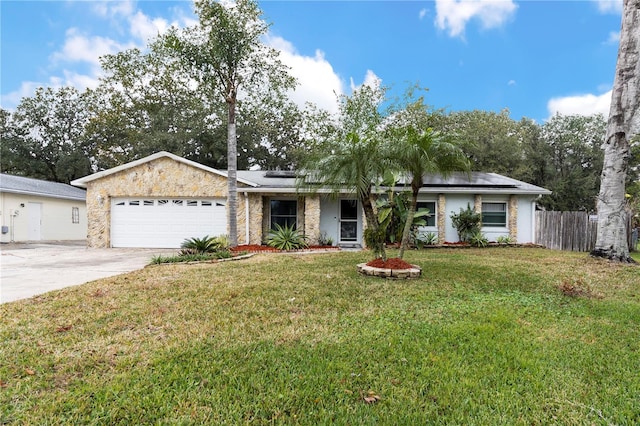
(203, 245)
(478, 239)
(428, 239)
(193, 257)
(286, 238)
(504, 240)
(467, 223)
(375, 240)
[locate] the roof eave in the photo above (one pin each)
(82, 182)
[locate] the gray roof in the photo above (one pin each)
(43, 188)
(475, 182)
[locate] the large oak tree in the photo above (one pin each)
(622, 126)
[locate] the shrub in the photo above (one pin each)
(504, 240)
(375, 240)
(193, 257)
(286, 238)
(324, 239)
(467, 223)
(478, 239)
(203, 245)
(428, 239)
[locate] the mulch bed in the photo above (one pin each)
(392, 263)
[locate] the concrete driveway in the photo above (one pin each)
(30, 269)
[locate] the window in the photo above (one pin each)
(75, 215)
(284, 213)
(431, 206)
(494, 214)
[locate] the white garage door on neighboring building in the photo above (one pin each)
(165, 222)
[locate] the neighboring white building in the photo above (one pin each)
(37, 210)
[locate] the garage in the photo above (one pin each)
(165, 222)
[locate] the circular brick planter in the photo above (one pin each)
(413, 272)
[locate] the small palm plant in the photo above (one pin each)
(202, 245)
(286, 238)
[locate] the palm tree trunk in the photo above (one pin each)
(232, 174)
(372, 221)
(623, 124)
(406, 232)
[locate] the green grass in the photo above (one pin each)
(486, 336)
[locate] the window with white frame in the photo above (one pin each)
(494, 214)
(75, 215)
(284, 213)
(431, 206)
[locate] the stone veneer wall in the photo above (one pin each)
(256, 209)
(163, 177)
(312, 218)
(513, 217)
(477, 203)
(442, 218)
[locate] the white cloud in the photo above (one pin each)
(81, 48)
(370, 79)
(586, 104)
(317, 81)
(422, 14)
(454, 15)
(11, 100)
(609, 6)
(145, 28)
(511, 83)
(113, 8)
(614, 37)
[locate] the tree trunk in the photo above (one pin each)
(623, 124)
(406, 232)
(372, 220)
(232, 175)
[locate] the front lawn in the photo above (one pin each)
(486, 336)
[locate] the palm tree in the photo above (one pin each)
(354, 157)
(418, 152)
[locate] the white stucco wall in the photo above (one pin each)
(330, 219)
(55, 218)
(526, 219)
(455, 202)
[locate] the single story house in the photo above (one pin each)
(160, 200)
(34, 210)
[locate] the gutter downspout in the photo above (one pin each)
(246, 217)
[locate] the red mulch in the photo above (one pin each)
(260, 248)
(393, 263)
(456, 243)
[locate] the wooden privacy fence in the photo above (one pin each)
(571, 231)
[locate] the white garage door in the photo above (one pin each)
(165, 223)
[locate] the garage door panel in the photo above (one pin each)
(165, 223)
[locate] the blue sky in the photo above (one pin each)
(533, 57)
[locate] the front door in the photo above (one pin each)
(348, 221)
(34, 223)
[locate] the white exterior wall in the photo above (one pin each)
(330, 219)
(455, 202)
(526, 219)
(55, 218)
